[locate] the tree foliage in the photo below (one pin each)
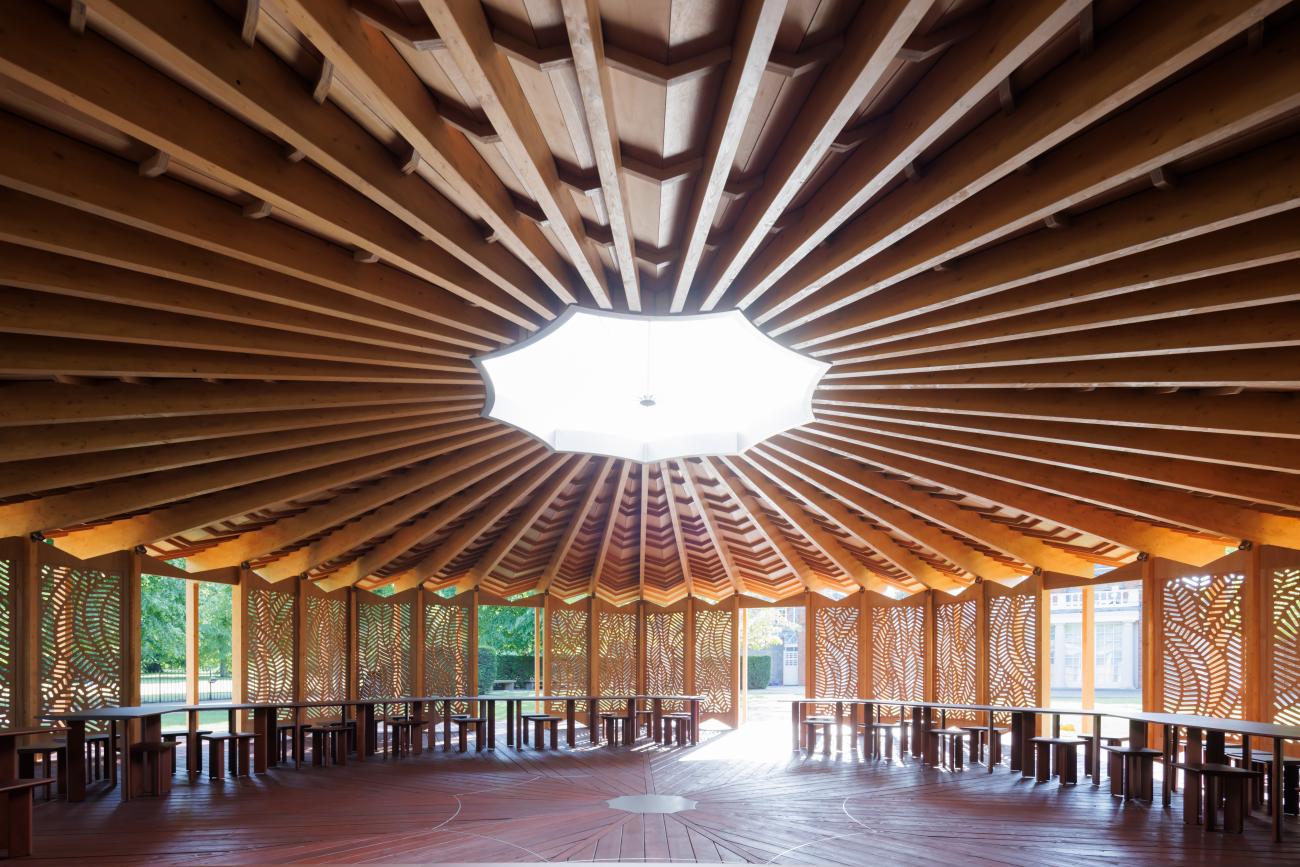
(162, 625)
(506, 629)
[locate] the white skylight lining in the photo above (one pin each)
(717, 383)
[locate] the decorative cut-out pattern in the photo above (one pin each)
(384, 649)
(1013, 660)
(326, 653)
(665, 655)
(6, 644)
(446, 651)
(617, 653)
(835, 636)
(1203, 645)
(1286, 646)
(269, 659)
(715, 661)
(898, 652)
(81, 638)
(569, 665)
(955, 652)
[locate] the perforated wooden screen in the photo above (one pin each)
(270, 621)
(716, 675)
(81, 606)
(835, 640)
(1281, 569)
(7, 621)
(665, 651)
(616, 648)
(446, 646)
(1202, 636)
(955, 650)
(898, 648)
(568, 643)
(384, 644)
(325, 654)
(1013, 624)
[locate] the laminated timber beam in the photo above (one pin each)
(876, 35)
(382, 78)
(1008, 35)
(990, 534)
(717, 540)
(575, 523)
(1158, 40)
(821, 495)
(1204, 514)
(421, 484)
(418, 532)
(93, 76)
(465, 30)
(611, 521)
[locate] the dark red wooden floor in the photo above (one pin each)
(755, 803)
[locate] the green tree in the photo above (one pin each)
(162, 623)
(506, 629)
(765, 626)
(215, 627)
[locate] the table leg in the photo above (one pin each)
(1275, 790)
(1170, 748)
(593, 721)
(192, 745)
(76, 755)
(629, 729)
(1095, 768)
(491, 723)
(656, 718)
(796, 740)
(992, 733)
(263, 721)
(570, 719)
(695, 721)
(365, 724)
(839, 726)
(510, 722)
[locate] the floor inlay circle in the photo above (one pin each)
(652, 803)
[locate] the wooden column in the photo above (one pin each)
(1257, 628)
(354, 677)
(1152, 638)
(866, 676)
(417, 641)
(300, 639)
(239, 642)
(27, 631)
(930, 680)
(546, 644)
(981, 642)
(1088, 697)
(130, 687)
(736, 671)
(593, 644)
(1042, 619)
(810, 646)
(640, 647)
(688, 656)
(191, 642)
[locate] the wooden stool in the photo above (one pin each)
(159, 760)
(875, 733)
(18, 814)
(51, 753)
(464, 723)
(1224, 783)
(811, 726)
(646, 717)
(1262, 760)
(677, 725)
(528, 718)
(173, 737)
(540, 725)
(241, 750)
(1063, 753)
(1131, 771)
(403, 731)
(613, 724)
(289, 736)
(949, 744)
(326, 744)
(980, 734)
(101, 753)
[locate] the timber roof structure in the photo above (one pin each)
(249, 249)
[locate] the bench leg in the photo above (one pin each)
(18, 821)
(216, 759)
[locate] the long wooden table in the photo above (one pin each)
(515, 721)
(1205, 736)
(150, 719)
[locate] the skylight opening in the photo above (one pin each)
(649, 388)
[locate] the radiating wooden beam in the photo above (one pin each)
(767, 529)
(611, 521)
(464, 27)
(756, 30)
(711, 528)
(871, 44)
(575, 523)
(586, 39)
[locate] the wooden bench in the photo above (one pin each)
(404, 731)
(540, 725)
(241, 753)
(158, 759)
(678, 726)
(464, 723)
(811, 727)
(1262, 760)
(614, 724)
(874, 733)
(949, 745)
(329, 743)
(1210, 783)
(54, 763)
(18, 814)
(173, 737)
(1057, 757)
(1132, 771)
(980, 734)
(527, 718)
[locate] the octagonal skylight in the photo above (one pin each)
(649, 388)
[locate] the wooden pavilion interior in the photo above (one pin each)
(253, 253)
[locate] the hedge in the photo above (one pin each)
(487, 669)
(760, 672)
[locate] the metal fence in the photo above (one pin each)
(169, 687)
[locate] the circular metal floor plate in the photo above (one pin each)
(652, 803)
